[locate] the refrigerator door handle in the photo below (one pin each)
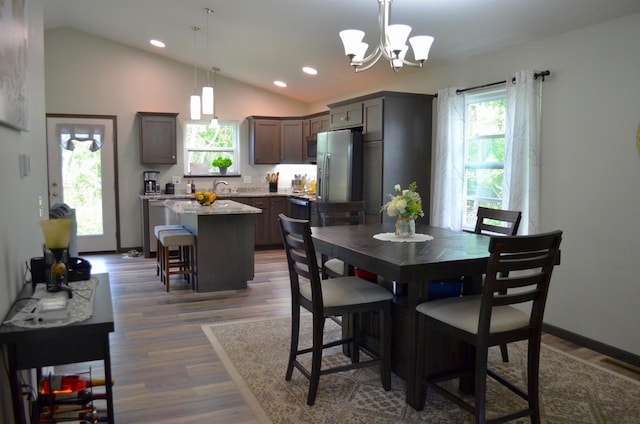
(325, 175)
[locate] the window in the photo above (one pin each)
(203, 143)
(484, 152)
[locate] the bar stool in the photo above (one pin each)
(184, 262)
(156, 231)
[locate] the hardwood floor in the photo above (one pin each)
(164, 368)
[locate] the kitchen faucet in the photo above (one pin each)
(216, 184)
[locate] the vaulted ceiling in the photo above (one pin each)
(259, 41)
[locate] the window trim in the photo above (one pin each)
(236, 150)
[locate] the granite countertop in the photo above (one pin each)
(227, 195)
(219, 207)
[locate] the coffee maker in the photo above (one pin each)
(151, 185)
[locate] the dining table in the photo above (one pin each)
(407, 266)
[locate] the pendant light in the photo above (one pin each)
(207, 91)
(214, 120)
(195, 99)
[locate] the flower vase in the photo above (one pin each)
(405, 227)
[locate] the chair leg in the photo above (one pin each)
(533, 367)
(504, 352)
(480, 413)
(295, 332)
(316, 358)
(165, 265)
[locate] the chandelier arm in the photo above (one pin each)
(368, 62)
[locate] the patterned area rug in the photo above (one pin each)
(255, 355)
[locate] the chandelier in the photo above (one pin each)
(392, 44)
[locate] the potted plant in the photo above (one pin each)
(222, 163)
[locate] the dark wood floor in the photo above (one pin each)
(164, 368)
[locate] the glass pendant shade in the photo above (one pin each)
(195, 107)
(207, 100)
(397, 37)
(351, 40)
(421, 44)
(360, 52)
(214, 123)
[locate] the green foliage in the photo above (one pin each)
(222, 162)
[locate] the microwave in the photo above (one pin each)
(310, 149)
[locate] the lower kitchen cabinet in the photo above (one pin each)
(267, 227)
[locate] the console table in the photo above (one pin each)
(84, 341)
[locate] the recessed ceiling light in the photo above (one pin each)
(157, 43)
(280, 83)
(309, 70)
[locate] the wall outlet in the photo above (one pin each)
(40, 206)
(247, 179)
(175, 179)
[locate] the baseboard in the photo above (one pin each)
(613, 352)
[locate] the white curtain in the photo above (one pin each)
(522, 150)
(448, 161)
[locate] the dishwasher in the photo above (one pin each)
(299, 208)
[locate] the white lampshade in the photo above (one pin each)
(397, 37)
(214, 122)
(397, 63)
(421, 44)
(351, 39)
(360, 52)
(207, 100)
(195, 107)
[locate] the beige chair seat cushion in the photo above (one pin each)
(158, 228)
(335, 265)
(464, 313)
(177, 238)
(347, 291)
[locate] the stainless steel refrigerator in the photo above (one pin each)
(339, 161)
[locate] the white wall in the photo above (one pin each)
(590, 167)
(20, 234)
(90, 75)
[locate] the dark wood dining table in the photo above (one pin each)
(411, 265)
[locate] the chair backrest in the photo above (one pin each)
(486, 221)
(301, 258)
(524, 263)
(341, 213)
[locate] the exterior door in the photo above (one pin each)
(81, 153)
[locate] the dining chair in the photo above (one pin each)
(338, 213)
(346, 296)
(495, 222)
(524, 263)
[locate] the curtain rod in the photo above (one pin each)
(535, 76)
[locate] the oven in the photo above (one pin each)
(299, 208)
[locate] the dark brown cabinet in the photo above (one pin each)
(264, 141)
(397, 149)
(291, 141)
(345, 116)
(317, 124)
(267, 227)
(157, 137)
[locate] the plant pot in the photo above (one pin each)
(223, 171)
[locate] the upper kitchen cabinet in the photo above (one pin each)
(275, 140)
(315, 124)
(264, 141)
(372, 119)
(157, 137)
(345, 116)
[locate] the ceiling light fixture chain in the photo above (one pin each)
(391, 45)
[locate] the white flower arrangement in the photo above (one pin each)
(405, 204)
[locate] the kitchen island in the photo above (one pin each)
(225, 234)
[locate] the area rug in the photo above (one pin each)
(255, 355)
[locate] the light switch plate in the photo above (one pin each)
(247, 179)
(175, 179)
